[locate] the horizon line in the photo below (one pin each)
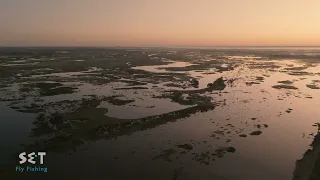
(175, 46)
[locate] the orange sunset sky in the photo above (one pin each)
(160, 22)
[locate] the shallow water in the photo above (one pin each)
(256, 99)
(161, 68)
(11, 134)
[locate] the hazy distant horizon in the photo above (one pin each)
(178, 47)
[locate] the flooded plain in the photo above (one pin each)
(161, 113)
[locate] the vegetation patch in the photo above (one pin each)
(283, 86)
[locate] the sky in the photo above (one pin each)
(159, 23)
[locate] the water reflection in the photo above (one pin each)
(151, 117)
